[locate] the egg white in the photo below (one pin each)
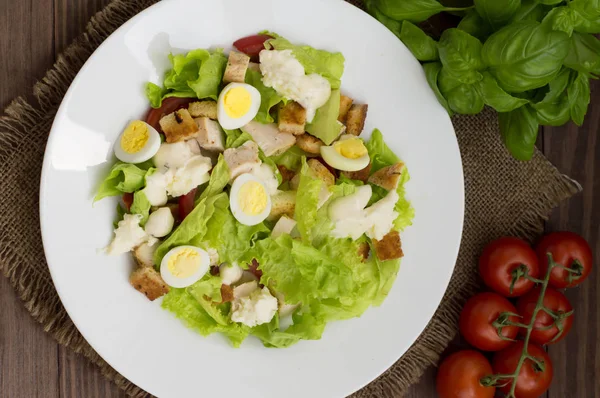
(247, 219)
(176, 282)
(146, 153)
(229, 123)
(340, 162)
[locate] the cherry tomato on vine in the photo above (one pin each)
(477, 321)
(534, 377)
(169, 105)
(459, 376)
(568, 250)
(562, 318)
(503, 264)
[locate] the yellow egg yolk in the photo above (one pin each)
(352, 148)
(252, 198)
(135, 137)
(184, 263)
(237, 102)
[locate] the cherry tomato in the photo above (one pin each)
(569, 250)
(169, 105)
(459, 376)
(252, 45)
(128, 200)
(477, 319)
(504, 261)
(554, 301)
(534, 378)
(186, 204)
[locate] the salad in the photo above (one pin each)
(249, 201)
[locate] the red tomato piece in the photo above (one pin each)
(570, 251)
(477, 321)
(252, 45)
(128, 200)
(459, 376)
(169, 105)
(534, 378)
(504, 261)
(186, 204)
(554, 301)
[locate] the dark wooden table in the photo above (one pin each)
(34, 32)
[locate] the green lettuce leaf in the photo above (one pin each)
(219, 178)
(207, 292)
(327, 64)
(305, 327)
(141, 206)
(381, 155)
(210, 76)
(325, 125)
(290, 159)
(268, 96)
(123, 177)
(307, 200)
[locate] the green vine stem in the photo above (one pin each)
(502, 380)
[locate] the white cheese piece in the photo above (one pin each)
(160, 223)
(230, 274)
(128, 235)
(255, 309)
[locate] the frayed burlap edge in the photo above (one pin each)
(35, 287)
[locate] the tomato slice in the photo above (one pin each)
(186, 204)
(128, 200)
(169, 105)
(252, 45)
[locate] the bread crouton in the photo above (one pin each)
(355, 120)
(237, 64)
(309, 144)
(321, 172)
(283, 203)
(389, 247)
(226, 293)
(388, 177)
(345, 104)
(292, 118)
(360, 175)
(149, 282)
(210, 135)
(203, 109)
(178, 126)
(363, 251)
(286, 174)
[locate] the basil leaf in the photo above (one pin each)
(584, 54)
(460, 54)
(588, 15)
(554, 108)
(519, 130)
(561, 19)
(550, 2)
(423, 47)
(578, 94)
(410, 10)
(394, 26)
(525, 55)
(494, 96)
(497, 13)
(462, 98)
(474, 25)
(530, 10)
(432, 71)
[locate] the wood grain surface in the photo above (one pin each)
(33, 32)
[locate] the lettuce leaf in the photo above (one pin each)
(325, 125)
(141, 206)
(269, 97)
(290, 159)
(196, 74)
(219, 178)
(123, 177)
(327, 64)
(207, 292)
(305, 327)
(381, 155)
(307, 200)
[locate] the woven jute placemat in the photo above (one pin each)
(503, 196)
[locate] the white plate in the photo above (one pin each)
(150, 346)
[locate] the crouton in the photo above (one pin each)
(226, 293)
(268, 137)
(237, 64)
(389, 247)
(363, 251)
(242, 159)
(292, 118)
(210, 135)
(178, 126)
(321, 172)
(149, 282)
(283, 203)
(144, 254)
(388, 177)
(355, 120)
(203, 109)
(286, 174)
(345, 104)
(309, 144)
(360, 175)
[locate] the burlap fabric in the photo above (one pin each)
(503, 196)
